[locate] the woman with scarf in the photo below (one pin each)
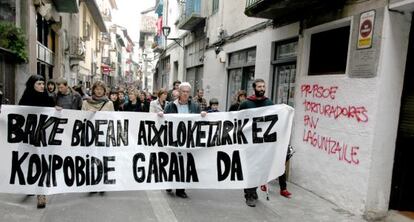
(36, 95)
(98, 101)
(158, 105)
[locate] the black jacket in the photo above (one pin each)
(172, 107)
(36, 99)
(254, 102)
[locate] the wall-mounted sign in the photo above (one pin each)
(366, 28)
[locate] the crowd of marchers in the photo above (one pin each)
(60, 95)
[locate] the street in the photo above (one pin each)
(202, 205)
(135, 97)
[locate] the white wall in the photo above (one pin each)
(391, 73)
(360, 182)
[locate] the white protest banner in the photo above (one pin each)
(46, 151)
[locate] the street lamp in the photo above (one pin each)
(166, 31)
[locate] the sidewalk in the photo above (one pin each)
(202, 205)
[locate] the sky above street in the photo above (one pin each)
(128, 15)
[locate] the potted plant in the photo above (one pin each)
(12, 38)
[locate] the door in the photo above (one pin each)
(195, 78)
(402, 188)
(285, 84)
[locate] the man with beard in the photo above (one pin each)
(254, 101)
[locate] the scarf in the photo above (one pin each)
(96, 100)
(255, 98)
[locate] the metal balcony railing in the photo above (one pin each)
(192, 7)
(250, 3)
(191, 15)
(44, 54)
(77, 48)
(106, 60)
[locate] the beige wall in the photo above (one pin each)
(91, 44)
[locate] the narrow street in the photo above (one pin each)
(119, 95)
(202, 205)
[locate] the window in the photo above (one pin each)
(243, 58)
(45, 47)
(8, 10)
(241, 73)
(284, 68)
(329, 51)
(195, 77)
(86, 31)
(165, 72)
(195, 53)
(215, 6)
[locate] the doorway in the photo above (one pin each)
(402, 188)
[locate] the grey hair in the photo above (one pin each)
(184, 84)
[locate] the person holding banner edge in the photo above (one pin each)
(182, 105)
(36, 95)
(98, 102)
(255, 101)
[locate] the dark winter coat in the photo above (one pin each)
(129, 107)
(31, 97)
(172, 107)
(74, 97)
(234, 107)
(254, 102)
(144, 106)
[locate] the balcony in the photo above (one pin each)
(159, 7)
(106, 60)
(288, 11)
(105, 37)
(44, 54)
(191, 15)
(69, 6)
(77, 48)
(106, 15)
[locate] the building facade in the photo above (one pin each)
(148, 42)
(346, 70)
(91, 25)
(44, 26)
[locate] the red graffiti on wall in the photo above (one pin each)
(344, 152)
(359, 113)
(317, 91)
(325, 107)
(310, 121)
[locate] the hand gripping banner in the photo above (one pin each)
(46, 151)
